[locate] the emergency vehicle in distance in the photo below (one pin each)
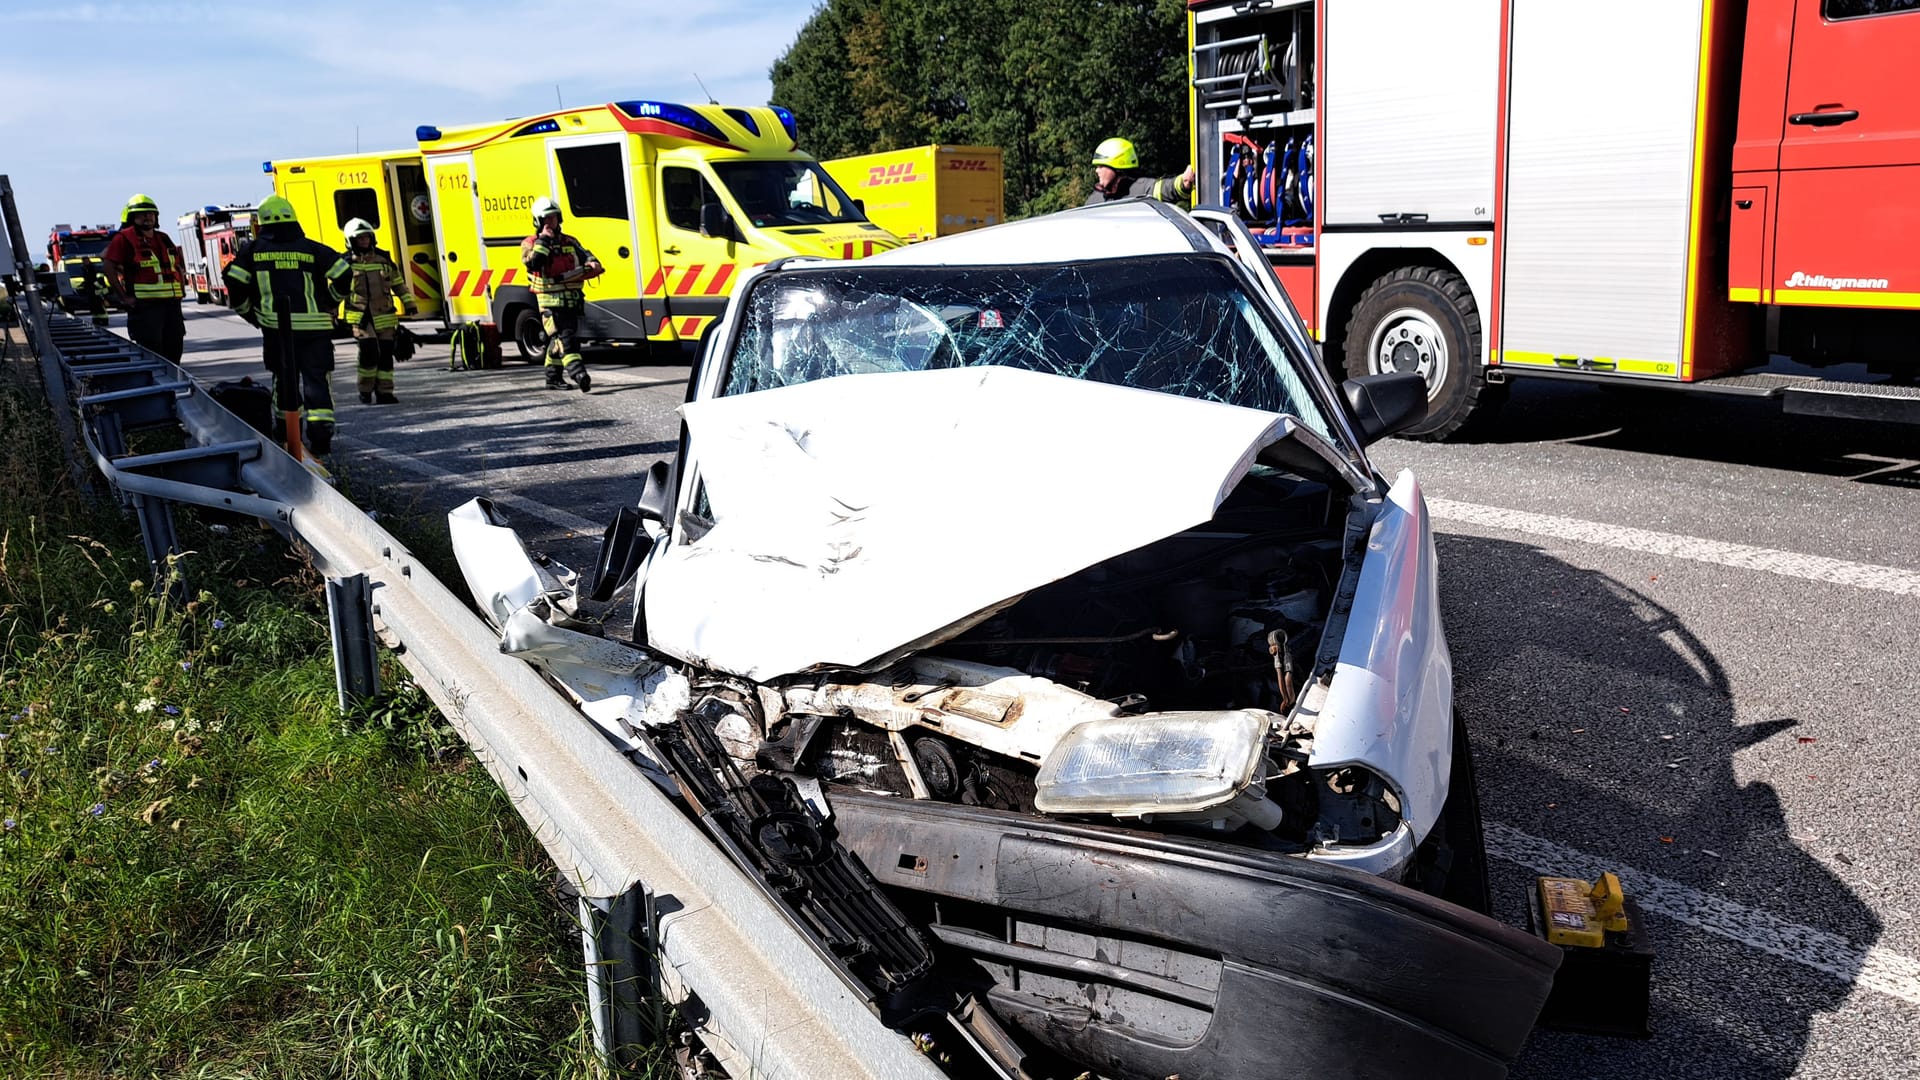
(674, 200)
(926, 191)
(1653, 192)
(388, 189)
(209, 237)
(70, 253)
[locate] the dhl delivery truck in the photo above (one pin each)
(387, 188)
(926, 191)
(674, 200)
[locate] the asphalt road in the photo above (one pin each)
(1685, 641)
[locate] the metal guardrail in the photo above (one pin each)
(664, 913)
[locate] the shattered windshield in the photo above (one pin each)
(1176, 324)
(776, 194)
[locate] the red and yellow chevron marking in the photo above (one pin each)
(697, 279)
(422, 276)
(691, 326)
(481, 282)
(860, 249)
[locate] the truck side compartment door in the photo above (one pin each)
(410, 236)
(590, 175)
(456, 213)
(1850, 157)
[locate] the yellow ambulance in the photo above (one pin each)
(926, 191)
(388, 189)
(674, 200)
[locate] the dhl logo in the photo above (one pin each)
(480, 282)
(864, 248)
(967, 164)
(902, 173)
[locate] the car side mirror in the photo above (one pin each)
(622, 548)
(714, 221)
(655, 495)
(1385, 404)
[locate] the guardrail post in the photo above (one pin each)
(356, 664)
(624, 996)
(157, 534)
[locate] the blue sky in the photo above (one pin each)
(183, 101)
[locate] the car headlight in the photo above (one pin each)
(1159, 763)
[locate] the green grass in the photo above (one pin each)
(204, 869)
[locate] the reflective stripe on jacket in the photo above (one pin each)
(548, 261)
(150, 263)
(375, 285)
(288, 284)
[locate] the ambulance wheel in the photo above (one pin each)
(529, 336)
(1422, 319)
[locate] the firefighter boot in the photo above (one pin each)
(320, 437)
(577, 371)
(556, 377)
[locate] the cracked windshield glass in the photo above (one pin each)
(1175, 325)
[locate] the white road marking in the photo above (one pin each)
(1889, 579)
(1872, 968)
(510, 501)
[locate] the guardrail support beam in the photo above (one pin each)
(624, 996)
(356, 663)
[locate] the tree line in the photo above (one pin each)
(1044, 80)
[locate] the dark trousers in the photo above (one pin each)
(158, 325)
(302, 362)
(562, 325)
(375, 369)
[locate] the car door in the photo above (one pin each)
(1850, 157)
(694, 270)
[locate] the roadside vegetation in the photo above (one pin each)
(204, 869)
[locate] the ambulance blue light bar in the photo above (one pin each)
(426, 133)
(677, 115)
(787, 121)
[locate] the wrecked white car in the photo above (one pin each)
(1022, 608)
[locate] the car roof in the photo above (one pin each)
(1114, 230)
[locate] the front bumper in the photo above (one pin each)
(1143, 955)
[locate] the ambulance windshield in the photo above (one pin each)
(776, 194)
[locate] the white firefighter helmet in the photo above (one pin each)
(543, 206)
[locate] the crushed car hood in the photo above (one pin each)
(860, 517)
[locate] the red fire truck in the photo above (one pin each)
(209, 238)
(73, 253)
(1660, 192)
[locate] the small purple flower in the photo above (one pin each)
(10, 824)
(154, 764)
(97, 809)
(186, 665)
(171, 710)
(219, 624)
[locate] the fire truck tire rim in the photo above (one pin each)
(1408, 339)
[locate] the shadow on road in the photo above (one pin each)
(1601, 723)
(1705, 427)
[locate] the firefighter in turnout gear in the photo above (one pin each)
(92, 289)
(375, 286)
(559, 267)
(148, 277)
(1114, 161)
(288, 286)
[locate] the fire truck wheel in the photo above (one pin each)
(1422, 319)
(530, 336)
